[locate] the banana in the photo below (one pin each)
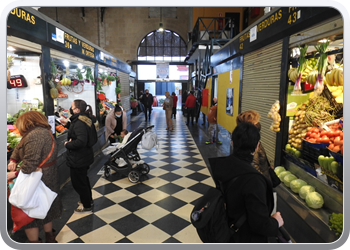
(331, 77)
(328, 76)
(340, 77)
(336, 77)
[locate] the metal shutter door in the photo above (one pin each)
(261, 87)
(125, 85)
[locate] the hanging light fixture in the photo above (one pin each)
(160, 29)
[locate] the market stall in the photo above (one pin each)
(288, 66)
(49, 66)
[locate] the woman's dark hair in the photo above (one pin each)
(81, 105)
(117, 108)
(245, 138)
(173, 93)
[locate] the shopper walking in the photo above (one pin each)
(190, 105)
(174, 104)
(79, 154)
(260, 161)
(251, 193)
(116, 121)
(147, 101)
(213, 128)
(168, 107)
(36, 144)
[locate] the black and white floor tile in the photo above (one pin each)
(154, 210)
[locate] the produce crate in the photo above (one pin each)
(338, 111)
(304, 164)
(325, 125)
(311, 151)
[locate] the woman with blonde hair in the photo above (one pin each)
(168, 107)
(260, 161)
(37, 143)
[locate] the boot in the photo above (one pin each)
(51, 236)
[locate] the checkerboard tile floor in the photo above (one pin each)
(154, 210)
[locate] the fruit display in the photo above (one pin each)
(65, 81)
(335, 76)
(274, 114)
(60, 128)
(328, 163)
(292, 150)
(337, 93)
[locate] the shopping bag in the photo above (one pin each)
(19, 218)
(45, 196)
(22, 193)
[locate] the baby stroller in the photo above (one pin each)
(127, 160)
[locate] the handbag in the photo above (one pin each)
(30, 198)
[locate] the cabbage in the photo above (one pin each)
(288, 178)
(283, 174)
(295, 185)
(304, 190)
(314, 200)
(279, 169)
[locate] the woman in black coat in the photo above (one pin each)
(251, 193)
(79, 155)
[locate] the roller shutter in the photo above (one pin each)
(125, 85)
(261, 87)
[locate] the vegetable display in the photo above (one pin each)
(336, 223)
(274, 114)
(321, 67)
(302, 61)
(296, 184)
(314, 200)
(288, 178)
(305, 190)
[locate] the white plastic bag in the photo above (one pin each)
(45, 196)
(149, 140)
(31, 195)
(22, 192)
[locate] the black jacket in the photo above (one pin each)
(79, 154)
(147, 101)
(251, 193)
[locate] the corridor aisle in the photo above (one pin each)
(155, 210)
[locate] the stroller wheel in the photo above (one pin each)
(145, 169)
(107, 171)
(134, 176)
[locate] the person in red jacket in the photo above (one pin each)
(174, 104)
(190, 105)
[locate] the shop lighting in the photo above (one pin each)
(323, 40)
(161, 29)
(80, 66)
(66, 63)
(10, 48)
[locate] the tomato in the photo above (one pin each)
(341, 134)
(316, 130)
(308, 134)
(323, 132)
(307, 138)
(336, 132)
(318, 139)
(313, 140)
(324, 139)
(336, 149)
(338, 141)
(330, 133)
(312, 135)
(331, 146)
